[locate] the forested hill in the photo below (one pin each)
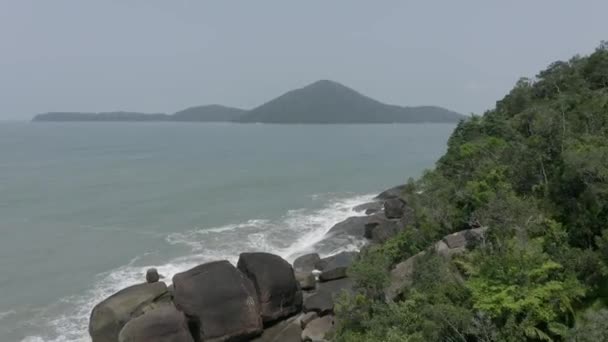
(320, 102)
(331, 102)
(534, 170)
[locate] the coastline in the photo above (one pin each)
(343, 238)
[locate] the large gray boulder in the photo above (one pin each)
(401, 277)
(382, 230)
(394, 192)
(306, 280)
(322, 302)
(164, 324)
(394, 208)
(306, 262)
(110, 316)
(318, 330)
(335, 266)
(369, 208)
(354, 226)
(275, 284)
(288, 330)
(219, 301)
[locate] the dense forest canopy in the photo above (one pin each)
(534, 170)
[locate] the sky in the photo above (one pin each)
(163, 56)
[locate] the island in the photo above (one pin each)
(322, 102)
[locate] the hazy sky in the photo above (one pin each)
(162, 56)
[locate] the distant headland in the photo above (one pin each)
(322, 102)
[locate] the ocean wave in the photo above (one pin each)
(292, 235)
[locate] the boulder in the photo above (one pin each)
(401, 276)
(306, 263)
(334, 267)
(354, 226)
(306, 280)
(319, 329)
(219, 301)
(465, 238)
(394, 192)
(109, 316)
(336, 287)
(369, 208)
(164, 324)
(307, 318)
(322, 302)
(275, 284)
(288, 330)
(152, 275)
(382, 230)
(394, 208)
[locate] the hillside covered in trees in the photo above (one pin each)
(534, 170)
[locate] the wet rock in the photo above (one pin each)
(152, 275)
(110, 316)
(164, 324)
(369, 208)
(219, 301)
(306, 263)
(275, 284)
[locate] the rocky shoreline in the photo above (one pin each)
(263, 298)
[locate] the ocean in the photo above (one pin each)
(86, 208)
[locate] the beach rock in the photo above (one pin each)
(382, 230)
(152, 275)
(369, 208)
(306, 280)
(219, 301)
(322, 302)
(336, 287)
(109, 316)
(394, 192)
(275, 284)
(164, 324)
(394, 208)
(288, 330)
(334, 267)
(306, 263)
(307, 318)
(354, 226)
(319, 329)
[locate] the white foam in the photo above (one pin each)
(290, 236)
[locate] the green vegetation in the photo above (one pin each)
(534, 170)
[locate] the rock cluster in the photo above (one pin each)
(263, 298)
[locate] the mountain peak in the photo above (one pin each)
(327, 101)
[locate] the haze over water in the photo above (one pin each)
(86, 208)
